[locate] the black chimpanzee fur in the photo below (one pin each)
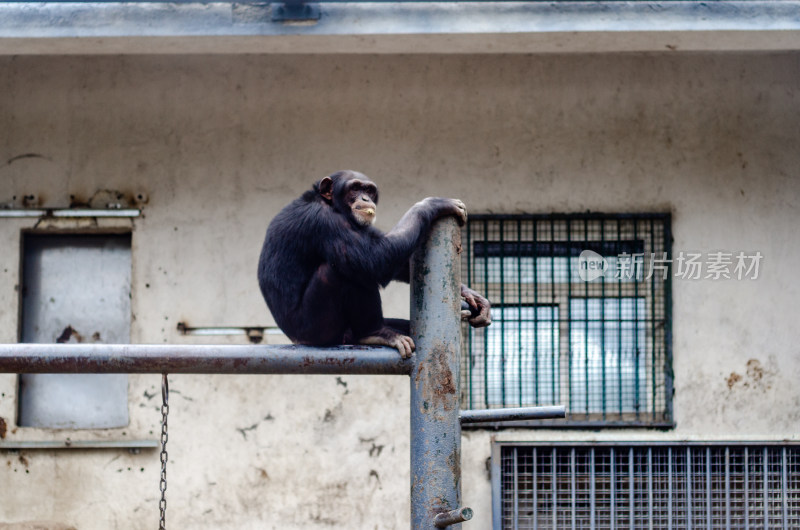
(323, 263)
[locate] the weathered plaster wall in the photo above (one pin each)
(220, 143)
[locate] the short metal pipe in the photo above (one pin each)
(512, 414)
(443, 520)
(199, 359)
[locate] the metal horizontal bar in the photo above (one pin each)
(21, 213)
(570, 424)
(95, 212)
(200, 359)
(215, 331)
(512, 414)
(70, 212)
(79, 444)
(211, 331)
(599, 216)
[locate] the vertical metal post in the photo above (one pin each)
(766, 487)
(572, 488)
(670, 500)
(535, 491)
(613, 457)
(515, 521)
(708, 487)
(435, 376)
(497, 488)
(728, 487)
(650, 488)
(746, 489)
(505, 316)
(668, 383)
(784, 489)
(631, 488)
(689, 498)
(554, 482)
(592, 492)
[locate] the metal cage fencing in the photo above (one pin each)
(681, 486)
(581, 316)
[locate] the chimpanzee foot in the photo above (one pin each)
(388, 337)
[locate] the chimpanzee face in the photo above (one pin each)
(361, 197)
(351, 194)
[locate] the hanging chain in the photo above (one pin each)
(164, 412)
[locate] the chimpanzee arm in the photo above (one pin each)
(368, 256)
(403, 274)
(413, 227)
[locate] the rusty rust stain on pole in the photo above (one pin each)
(435, 377)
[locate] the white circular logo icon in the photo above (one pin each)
(591, 265)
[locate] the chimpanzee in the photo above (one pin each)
(323, 263)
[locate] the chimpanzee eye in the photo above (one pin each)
(358, 189)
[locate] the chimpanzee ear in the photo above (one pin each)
(326, 188)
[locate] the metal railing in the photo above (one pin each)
(670, 485)
(434, 372)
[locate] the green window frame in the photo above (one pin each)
(600, 343)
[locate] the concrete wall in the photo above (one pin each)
(220, 143)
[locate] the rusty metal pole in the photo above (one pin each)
(435, 377)
(199, 359)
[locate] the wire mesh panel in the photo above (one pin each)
(580, 307)
(683, 486)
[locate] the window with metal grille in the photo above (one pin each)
(674, 486)
(581, 316)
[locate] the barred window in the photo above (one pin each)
(672, 485)
(581, 316)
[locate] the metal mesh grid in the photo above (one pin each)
(600, 347)
(659, 487)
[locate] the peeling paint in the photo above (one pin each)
(440, 386)
(328, 361)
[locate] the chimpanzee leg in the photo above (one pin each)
(362, 310)
(392, 332)
(321, 320)
(398, 324)
(335, 311)
(365, 315)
